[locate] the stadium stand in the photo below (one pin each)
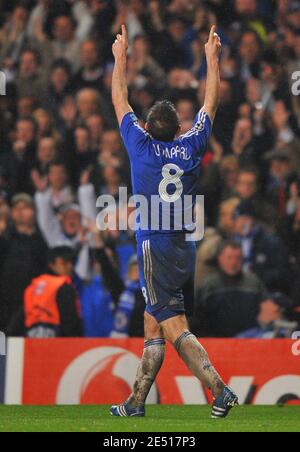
(60, 148)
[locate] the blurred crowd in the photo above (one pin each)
(60, 148)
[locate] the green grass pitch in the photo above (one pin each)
(159, 419)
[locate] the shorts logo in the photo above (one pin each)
(173, 302)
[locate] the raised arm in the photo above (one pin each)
(212, 93)
(119, 82)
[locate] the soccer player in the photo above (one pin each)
(160, 164)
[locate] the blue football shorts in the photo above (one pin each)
(167, 272)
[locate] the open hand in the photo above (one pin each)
(40, 183)
(85, 176)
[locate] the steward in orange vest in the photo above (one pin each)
(51, 301)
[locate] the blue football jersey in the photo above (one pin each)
(165, 174)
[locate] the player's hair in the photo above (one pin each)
(163, 122)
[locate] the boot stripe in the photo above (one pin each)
(221, 410)
(123, 411)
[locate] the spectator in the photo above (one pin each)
(170, 53)
(272, 320)
(59, 189)
(17, 163)
(186, 110)
(145, 64)
(228, 299)
(65, 44)
(226, 217)
(250, 52)
(258, 249)
(59, 86)
(88, 103)
(91, 72)
(23, 257)
(60, 140)
(280, 174)
(46, 155)
(97, 303)
(51, 306)
(110, 307)
(14, 39)
(245, 145)
(31, 79)
(290, 226)
(26, 106)
(247, 189)
(218, 181)
(83, 157)
(226, 116)
(206, 254)
(107, 108)
(95, 125)
(128, 317)
(45, 124)
(207, 250)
